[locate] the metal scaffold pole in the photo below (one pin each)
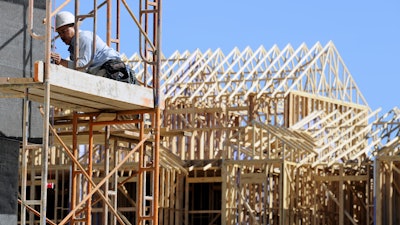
(150, 48)
(46, 117)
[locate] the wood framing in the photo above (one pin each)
(264, 136)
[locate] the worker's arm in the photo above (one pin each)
(58, 60)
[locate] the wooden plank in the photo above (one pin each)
(104, 117)
(88, 87)
(9, 93)
(16, 80)
(330, 100)
(62, 104)
(60, 99)
(204, 179)
(341, 178)
(253, 178)
(36, 94)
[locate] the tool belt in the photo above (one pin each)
(118, 70)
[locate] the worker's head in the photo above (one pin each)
(65, 26)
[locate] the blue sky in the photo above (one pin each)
(366, 34)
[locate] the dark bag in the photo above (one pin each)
(117, 70)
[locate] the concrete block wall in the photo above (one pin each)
(18, 52)
(8, 181)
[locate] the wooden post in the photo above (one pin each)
(341, 196)
(377, 192)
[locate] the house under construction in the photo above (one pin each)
(250, 136)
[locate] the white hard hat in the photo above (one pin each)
(64, 18)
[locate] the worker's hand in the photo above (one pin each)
(56, 57)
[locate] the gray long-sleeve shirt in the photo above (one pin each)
(102, 54)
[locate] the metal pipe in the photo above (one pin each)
(140, 189)
(46, 104)
(106, 168)
(138, 24)
(76, 27)
(72, 155)
(81, 19)
(118, 30)
(30, 22)
(24, 156)
(157, 125)
(59, 8)
(108, 23)
(90, 172)
(94, 37)
(105, 179)
(22, 203)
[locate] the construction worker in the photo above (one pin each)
(106, 61)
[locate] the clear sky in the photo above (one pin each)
(366, 34)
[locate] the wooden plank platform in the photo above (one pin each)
(79, 91)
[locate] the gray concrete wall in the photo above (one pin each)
(9, 150)
(18, 52)
(6, 219)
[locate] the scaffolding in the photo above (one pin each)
(102, 105)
